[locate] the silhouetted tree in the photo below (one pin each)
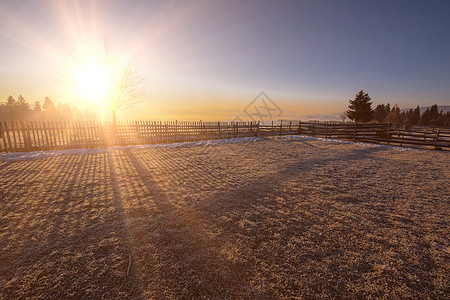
(405, 116)
(380, 113)
(64, 111)
(433, 115)
(20, 109)
(37, 108)
(22, 104)
(360, 108)
(446, 119)
(10, 101)
(394, 115)
(49, 106)
(415, 116)
(4, 112)
(16, 109)
(127, 88)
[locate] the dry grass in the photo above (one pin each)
(268, 219)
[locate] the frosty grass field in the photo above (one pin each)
(279, 217)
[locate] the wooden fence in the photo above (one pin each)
(44, 135)
(40, 135)
(417, 136)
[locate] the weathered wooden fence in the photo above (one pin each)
(427, 137)
(44, 135)
(40, 135)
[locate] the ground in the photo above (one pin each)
(280, 217)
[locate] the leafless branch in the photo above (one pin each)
(128, 88)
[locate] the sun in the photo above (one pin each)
(99, 78)
(94, 80)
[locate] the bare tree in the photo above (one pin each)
(127, 88)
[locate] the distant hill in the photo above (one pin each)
(444, 108)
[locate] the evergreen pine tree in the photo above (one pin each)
(360, 108)
(415, 116)
(48, 105)
(388, 109)
(380, 113)
(37, 107)
(394, 116)
(425, 118)
(12, 110)
(22, 104)
(434, 115)
(10, 101)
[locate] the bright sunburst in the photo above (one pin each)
(100, 78)
(91, 74)
(94, 80)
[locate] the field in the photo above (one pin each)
(256, 218)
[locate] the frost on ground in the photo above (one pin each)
(257, 218)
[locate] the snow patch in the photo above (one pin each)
(52, 153)
(336, 141)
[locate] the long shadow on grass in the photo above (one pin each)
(187, 262)
(62, 235)
(257, 188)
(271, 227)
(226, 265)
(287, 244)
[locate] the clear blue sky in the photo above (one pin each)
(211, 58)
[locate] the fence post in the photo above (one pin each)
(165, 133)
(403, 135)
(84, 134)
(436, 147)
(37, 143)
(24, 135)
(257, 129)
(176, 131)
(299, 126)
(29, 133)
(14, 134)
(354, 132)
(388, 132)
(218, 128)
(6, 134)
(3, 136)
(437, 135)
(281, 127)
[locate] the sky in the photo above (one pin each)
(209, 60)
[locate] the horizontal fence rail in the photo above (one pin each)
(418, 136)
(45, 135)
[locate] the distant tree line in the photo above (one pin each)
(360, 110)
(431, 116)
(20, 109)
